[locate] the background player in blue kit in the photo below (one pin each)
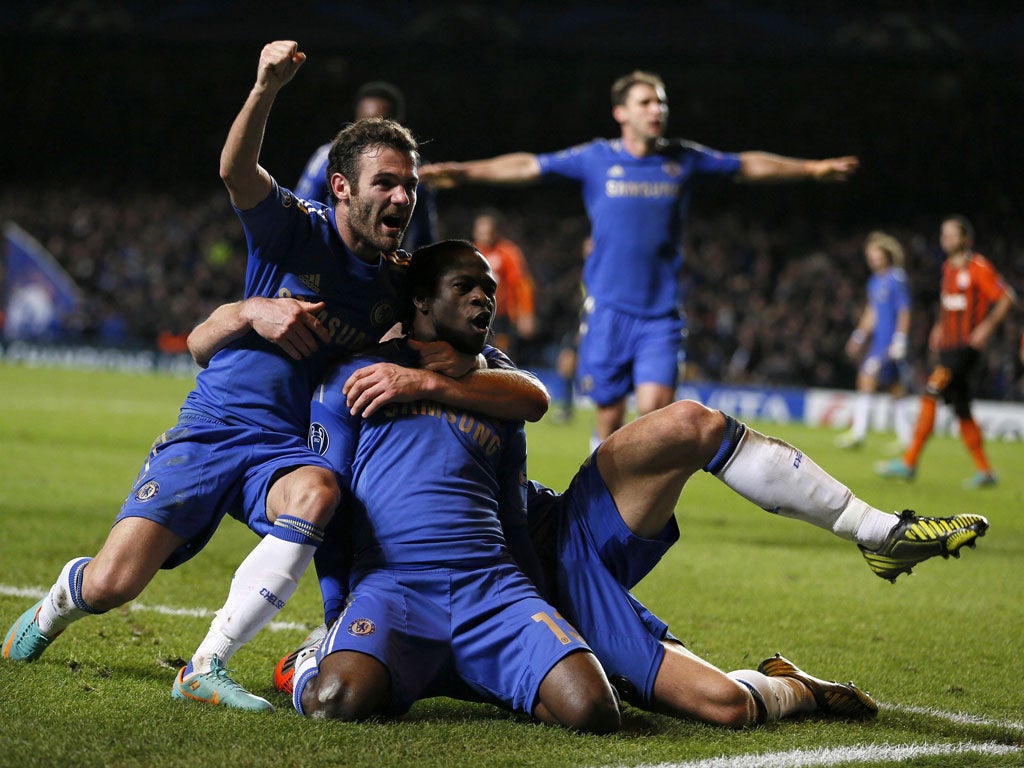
(239, 446)
(373, 99)
(435, 602)
(882, 330)
(636, 190)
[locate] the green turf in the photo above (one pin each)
(740, 586)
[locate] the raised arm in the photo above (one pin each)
(247, 182)
(514, 168)
(764, 166)
(290, 323)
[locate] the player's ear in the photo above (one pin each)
(340, 187)
(422, 305)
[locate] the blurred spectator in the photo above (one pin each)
(514, 321)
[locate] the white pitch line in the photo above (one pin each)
(808, 758)
(959, 718)
(34, 593)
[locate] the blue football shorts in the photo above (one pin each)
(483, 634)
(618, 351)
(202, 469)
(593, 559)
(886, 372)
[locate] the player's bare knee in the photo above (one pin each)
(309, 496)
(695, 426)
(597, 713)
(106, 588)
(733, 706)
(341, 698)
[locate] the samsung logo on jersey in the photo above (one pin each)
(482, 434)
(342, 333)
(613, 188)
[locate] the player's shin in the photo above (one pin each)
(782, 480)
(260, 588)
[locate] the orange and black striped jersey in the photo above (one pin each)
(968, 292)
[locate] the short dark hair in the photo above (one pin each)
(426, 265)
(362, 137)
(620, 88)
(380, 89)
(964, 223)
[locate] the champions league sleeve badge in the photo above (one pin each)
(319, 440)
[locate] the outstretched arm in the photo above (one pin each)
(514, 168)
(764, 166)
(289, 323)
(247, 182)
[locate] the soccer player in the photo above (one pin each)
(636, 189)
(613, 524)
(320, 282)
(974, 300)
(437, 602)
(515, 320)
(373, 99)
(882, 330)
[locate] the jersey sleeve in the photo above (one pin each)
(273, 223)
(901, 291)
(711, 161)
(990, 282)
(512, 488)
(334, 434)
(497, 359)
(568, 163)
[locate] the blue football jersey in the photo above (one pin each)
(637, 207)
(431, 485)
(295, 250)
(888, 294)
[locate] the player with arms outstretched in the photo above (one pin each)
(636, 191)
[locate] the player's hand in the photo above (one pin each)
(279, 61)
(834, 168)
(979, 336)
(371, 388)
(442, 175)
(291, 324)
(441, 357)
(897, 350)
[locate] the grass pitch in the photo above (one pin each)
(941, 649)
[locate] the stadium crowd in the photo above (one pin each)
(766, 303)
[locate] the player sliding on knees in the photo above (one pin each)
(596, 540)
